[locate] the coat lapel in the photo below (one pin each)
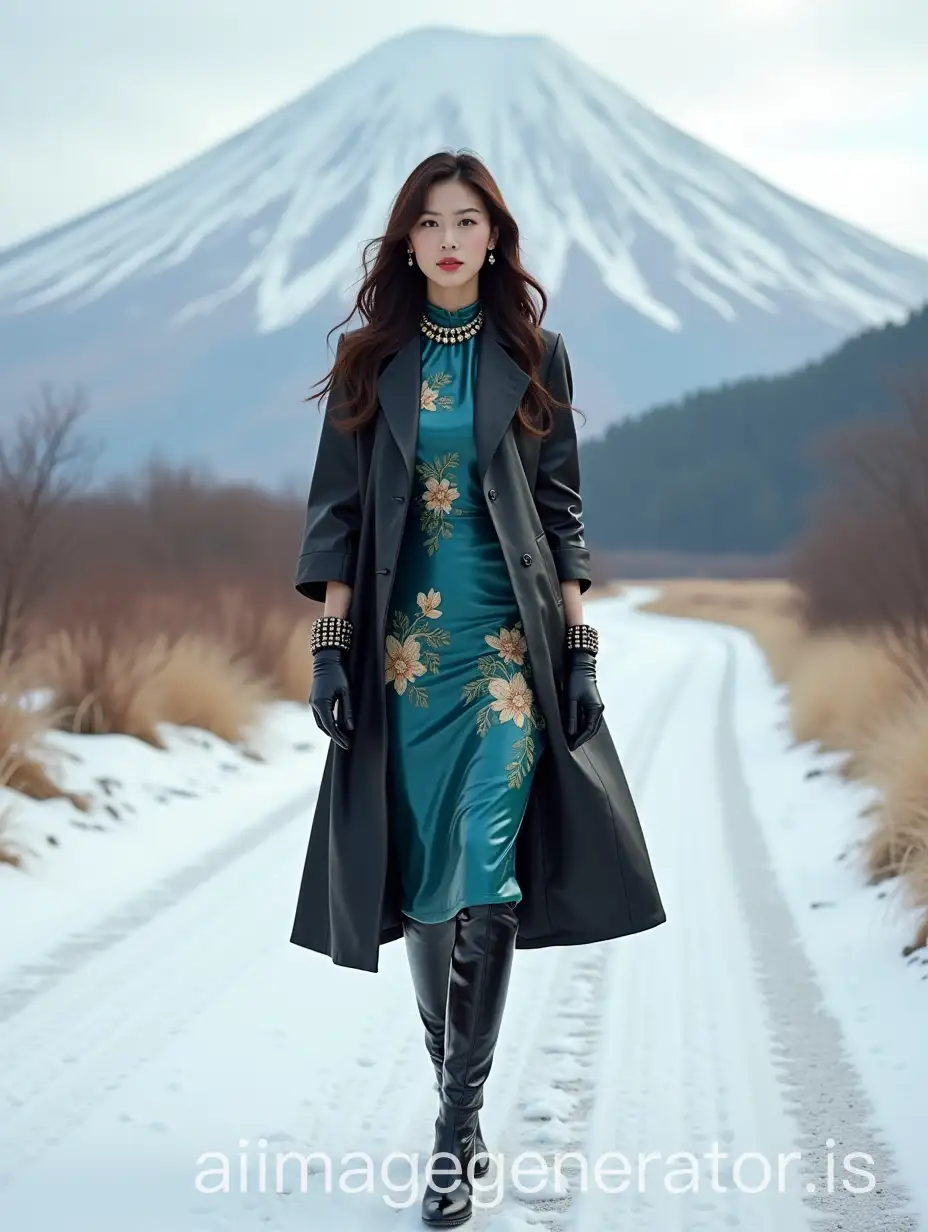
(500, 386)
(399, 388)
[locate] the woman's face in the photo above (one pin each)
(454, 226)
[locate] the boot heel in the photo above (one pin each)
(455, 1135)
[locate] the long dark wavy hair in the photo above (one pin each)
(393, 295)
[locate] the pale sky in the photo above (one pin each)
(826, 98)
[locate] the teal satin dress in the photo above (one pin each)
(464, 729)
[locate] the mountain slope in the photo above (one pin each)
(735, 469)
(195, 308)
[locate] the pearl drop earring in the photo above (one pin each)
(491, 258)
(409, 250)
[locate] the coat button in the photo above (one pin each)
(526, 559)
(383, 570)
(492, 494)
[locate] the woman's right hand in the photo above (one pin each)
(330, 685)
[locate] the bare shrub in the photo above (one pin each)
(182, 527)
(865, 565)
(42, 468)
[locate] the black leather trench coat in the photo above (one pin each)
(581, 858)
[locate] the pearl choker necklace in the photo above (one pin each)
(450, 333)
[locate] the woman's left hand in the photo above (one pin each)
(581, 695)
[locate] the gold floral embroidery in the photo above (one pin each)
(428, 604)
(430, 400)
(403, 663)
(438, 498)
(511, 644)
(405, 659)
(512, 697)
(439, 495)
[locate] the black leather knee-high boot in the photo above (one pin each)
(481, 964)
(428, 950)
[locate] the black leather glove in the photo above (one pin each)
(582, 702)
(330, 684)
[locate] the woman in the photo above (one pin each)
(472, 800)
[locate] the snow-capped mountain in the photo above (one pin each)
(194, 310)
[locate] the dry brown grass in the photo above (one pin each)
(19, 770)
(129, 686)
(20, 738)
(844, 690)
(100, 685)
(253, 630)
(295, 668)
(263, 634)
(199, 683)
(10, 851)
(848, 694)
(894, 759)
(273, 643)
(128, 683)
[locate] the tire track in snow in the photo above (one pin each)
(80, 1035)
(548, 1088)
(629, 1083)
(30, 982)
(825, 1093)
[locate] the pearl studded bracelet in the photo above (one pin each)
(583, 637)
(330, 631)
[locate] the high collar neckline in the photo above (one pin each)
(447, 316)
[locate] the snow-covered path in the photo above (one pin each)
(184, 1025)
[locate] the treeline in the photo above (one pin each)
(737, 469)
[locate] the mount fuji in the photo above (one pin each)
(194, 310)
